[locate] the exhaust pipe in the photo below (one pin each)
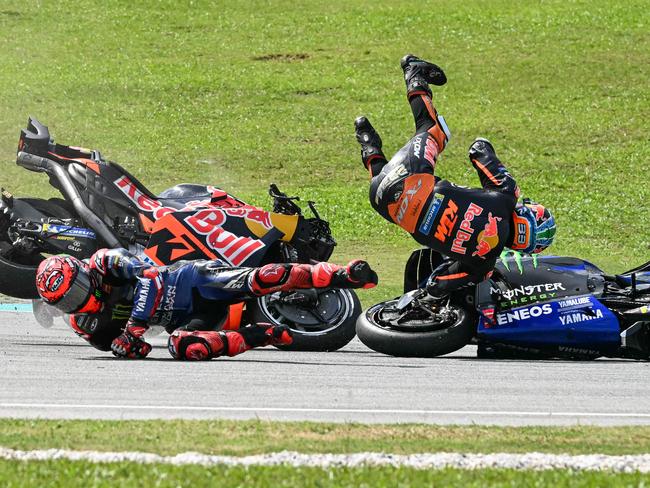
(39, 164)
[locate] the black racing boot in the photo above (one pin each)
(419, 73)
(368, 138)
(483, 151)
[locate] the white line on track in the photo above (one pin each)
(525, 461)
(191, 408)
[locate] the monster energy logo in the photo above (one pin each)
(516, 257)
(121, 312)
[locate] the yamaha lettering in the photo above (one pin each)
(141, 304)
(578, 317)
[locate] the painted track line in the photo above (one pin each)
(526, 461)
(190, 408)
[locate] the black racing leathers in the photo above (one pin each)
(469, 226)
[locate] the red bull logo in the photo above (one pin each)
(488, 238)
(466, 230)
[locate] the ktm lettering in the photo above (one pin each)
(447, 221)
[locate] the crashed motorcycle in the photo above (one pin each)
(540, 307)
(104, 205)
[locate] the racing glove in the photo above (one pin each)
(357, 274)
(130, 343)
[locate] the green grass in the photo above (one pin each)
(240, 94)
(72, 474)
(255, 437)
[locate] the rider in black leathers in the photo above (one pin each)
(469, 226)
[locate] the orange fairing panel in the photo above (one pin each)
(233, 321)
(184, 242)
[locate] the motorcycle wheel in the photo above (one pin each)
(18, 274)
(326, 324)
(413, 333)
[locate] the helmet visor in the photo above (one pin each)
(77, 295)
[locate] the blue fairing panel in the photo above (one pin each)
(572, 321)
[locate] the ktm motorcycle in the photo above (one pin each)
(538, 307)
(104, 205)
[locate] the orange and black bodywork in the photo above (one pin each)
(185, 222)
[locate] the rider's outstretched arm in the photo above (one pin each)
(117, 264)
(491, 171)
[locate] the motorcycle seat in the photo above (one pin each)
(626, 279)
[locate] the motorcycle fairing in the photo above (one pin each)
(208, 234)
(577, 322)
(523, 280)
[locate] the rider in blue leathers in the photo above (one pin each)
(190, 299)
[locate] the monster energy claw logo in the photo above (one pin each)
(121, 312)
(516, 257)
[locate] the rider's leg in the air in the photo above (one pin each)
(417, 75)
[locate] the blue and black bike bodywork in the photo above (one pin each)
(559, 306)
(545, 306)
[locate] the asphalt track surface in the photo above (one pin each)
(50, 373)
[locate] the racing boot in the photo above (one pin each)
(419, 73)
(369, 139)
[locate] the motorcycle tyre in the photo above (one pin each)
(329, 341)
(426, 344)
(18, 279)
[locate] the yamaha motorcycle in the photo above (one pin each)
(541, 307)
(104, 205)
